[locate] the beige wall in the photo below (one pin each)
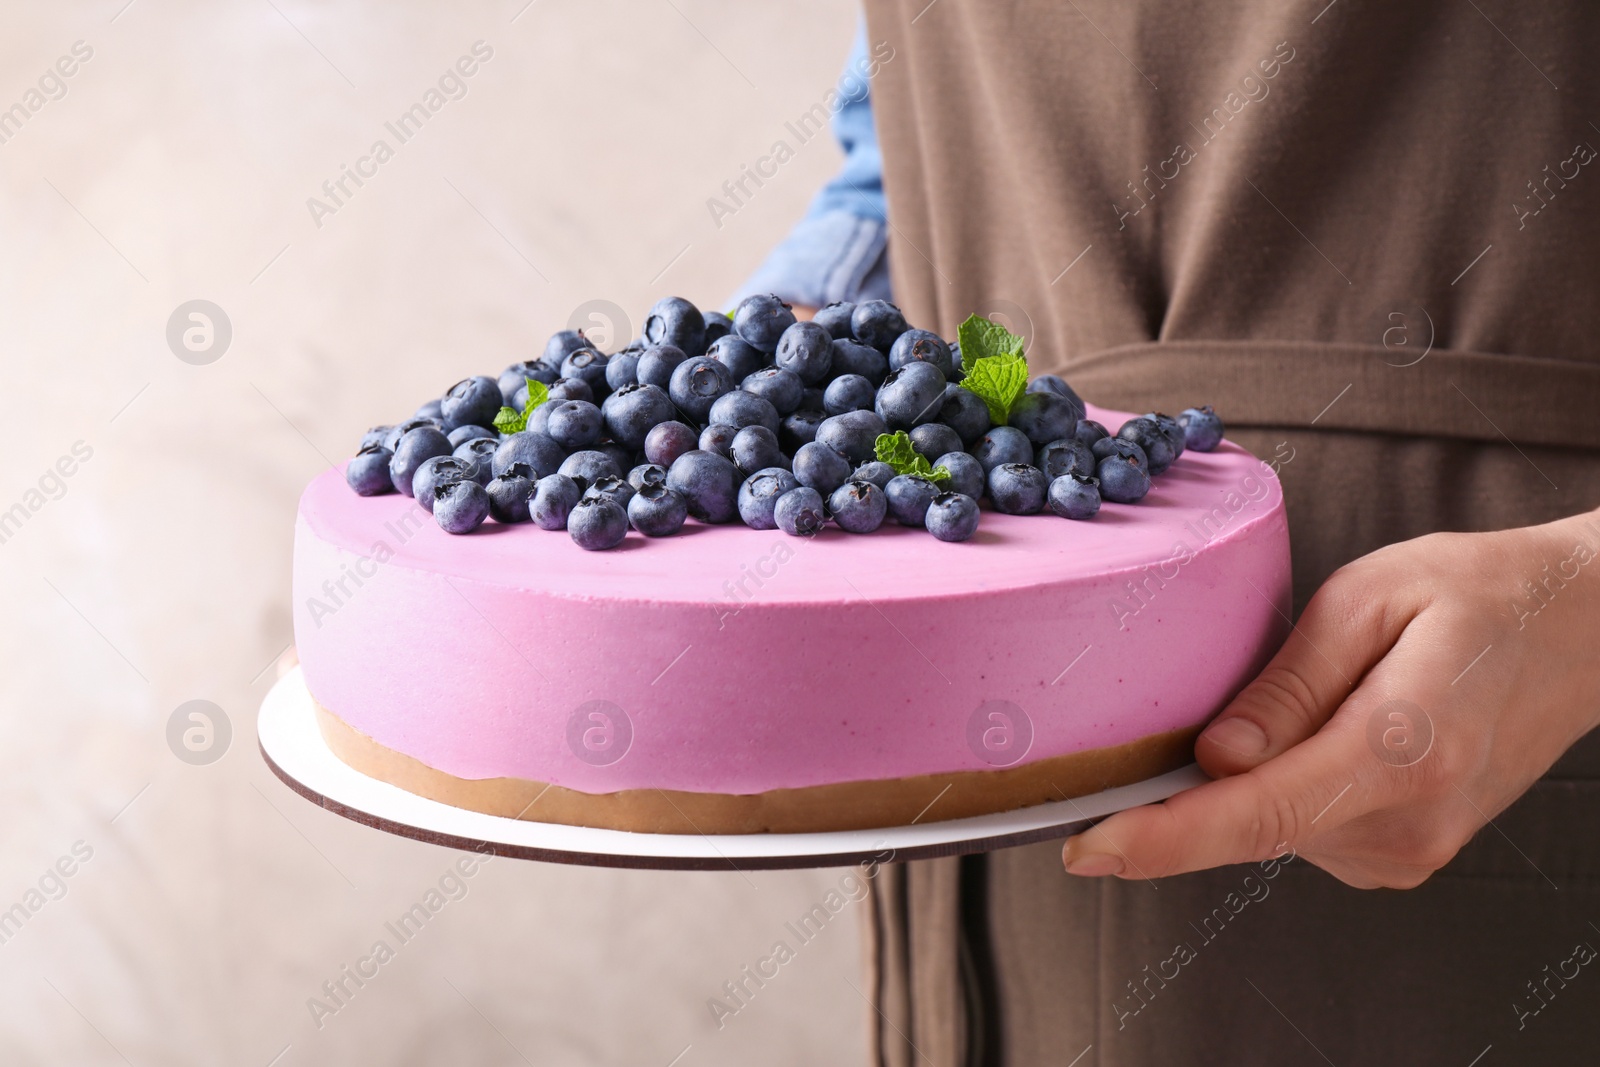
(177, 166)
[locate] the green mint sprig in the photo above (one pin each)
(995, 366)
(510, 420)
(896, 450)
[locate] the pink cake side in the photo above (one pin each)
(742, 661)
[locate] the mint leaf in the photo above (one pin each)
(999, 380)
(510, 420)
(897, 451)
(981, 339)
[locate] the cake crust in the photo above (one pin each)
(854, 805)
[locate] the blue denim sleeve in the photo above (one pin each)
(838, 250)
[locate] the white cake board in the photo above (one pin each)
(294, 749)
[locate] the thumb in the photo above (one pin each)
(1343, 632)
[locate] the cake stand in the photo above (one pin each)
(293, 747)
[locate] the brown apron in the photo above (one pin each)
(1367, 233)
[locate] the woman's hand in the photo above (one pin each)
(1426, 687)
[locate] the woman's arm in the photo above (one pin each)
(1412, 703)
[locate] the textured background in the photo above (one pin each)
(177, 166)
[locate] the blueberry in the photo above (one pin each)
(1148, 435)
(1044, 417)
(611, 488)
(675, 321)
(759, 496)
(657, 363)
(1202, 430)
(597, 523)
(761, 320)
(800, 512)
(806, 349)
(632, 412)
(1054, 384)
(588, 467)
(778, 387)
(1066, 456)
(877, 323)
(440, 470)
(854, 434)
(471, 401)
(1018, 488)
(696, 384)
(935, 439)
(1003, 444)
(966, 474)
(709, 485)
(647, 474)
(391, 439)
(798, 429)
(1089, 432)
(415, 448)
(1075, 496)
(667, 441)
(574, 424)
(909, 496)
(835, 318)
(852, 357)
(742, 409)
(462, 434)
(1172, 430)
(717, 326)
(820, 467)
(589, 367)
(508, 497)
(1123, 479)
(965, 412)
(375, 436)
(657, 511)
(539, 451)
(368, 472)
(1116, 446)
(624, 457)
(756, 448)
(460, 507)
(911, 395)
(554, 497)
(875, 471)
(622, 369)
(740, 357)
(811, 398)
(517, 375)
(848, 392)
(952, 517)
(561, 345)
(858, 507)
(718, 439)
(478, 453)
(433, 410)
(563, 389)
(921, 346)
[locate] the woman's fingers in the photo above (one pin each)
(1339, 637)
(1239, 819)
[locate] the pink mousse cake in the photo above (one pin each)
(733, 681)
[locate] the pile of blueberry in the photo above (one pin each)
(849, 418)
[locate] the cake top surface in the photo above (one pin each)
(1205, 498)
